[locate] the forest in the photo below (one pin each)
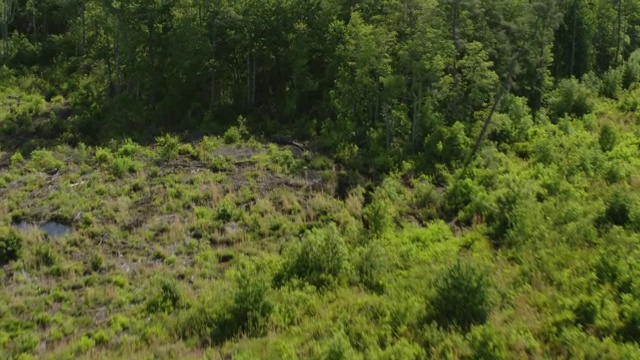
(319, 179)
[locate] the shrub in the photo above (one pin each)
(124, 165)
(571, 98)
(45, 161)
(46, 256)
(321, 259)
(129, 148)
(618, 210)
(486, 344)
(631, 72)
(232, 135)
(85, 344)
(167, 298)
(103, 156)
(379, 217)
(608, 138)
(611, 84)
(251, 308)
(11, 243)
(462, 297)
(16, 159)
(372, 266)
(168, 146)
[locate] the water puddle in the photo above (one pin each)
(51, 228)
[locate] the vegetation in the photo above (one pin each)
(319, 179)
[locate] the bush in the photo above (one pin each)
(168, 146)
(487, 345)
(16, 159)
(251, 308)
(608, 138)
(46, 256)
(232, 135)
(129, 148)
(379, 217)
(167, 299)
(45, 161)
(320, 260)
(631, 72)
(11, 243)
(103, 156)
(462, 298)
(372, 266)
(571, 98)
(618, 210)
(611, 84)
(123, 165)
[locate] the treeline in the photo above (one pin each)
(384, 80)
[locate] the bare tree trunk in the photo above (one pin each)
(248, 80)
(253, 81)
(116, 49)
(387, 123)
(619, 42)
(213, 56)
(456, 39)
(573, 37)
(109, 68)
(417, 109)
(84, 28)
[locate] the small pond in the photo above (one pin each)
(51, 228)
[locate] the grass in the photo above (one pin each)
(232, 248)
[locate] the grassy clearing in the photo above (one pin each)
(227, 247)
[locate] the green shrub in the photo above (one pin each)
(611, 83)
(168, 146)
(26, 342)
(96, 262)
(618, 210)
(462, 297)
(608, 137)
(372, 266)
(631, 72)
(11, 243)
(128, 149)
(232, 135)
(486, 344)
(103, 156)
(321, 259)
(167, 298)
(124, 165)
(45, 161)
(251, 308)
(16, 159)
(85, 344)
(571, 98)
(379, 217)
(46, 256)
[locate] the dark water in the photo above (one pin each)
(52, 228)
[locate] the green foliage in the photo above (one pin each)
(320, 259)
(372, 266)
(462, 297)
(571, 98)
(487, 344)
(232, 135)
(167, 298)
(11, 244)
(103, 156)
(608, 138)
(16, 159)
(44, 160)
(167, 146)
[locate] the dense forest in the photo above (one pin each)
(320, 179)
